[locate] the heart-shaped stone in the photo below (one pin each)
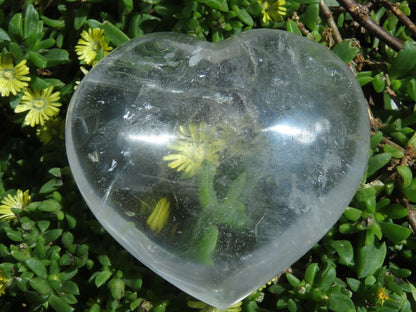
(218, 165)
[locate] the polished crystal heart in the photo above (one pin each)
(218, 165)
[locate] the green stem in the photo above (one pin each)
(207, 241)
(230, 212)
(206, 233)
(207, 195)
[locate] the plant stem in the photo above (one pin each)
(400, 15)
(331, 22)
(360, 14)
(207, 194)
(206, 233)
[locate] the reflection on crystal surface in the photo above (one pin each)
(218, 164)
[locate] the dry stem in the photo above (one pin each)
(360, 14)
(331, 22)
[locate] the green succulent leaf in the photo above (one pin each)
(81, 16)
(67, 287)
(37, 267)
(49, 205)
(102, 277)
(54, 23)
(51, 186)
(15, 29)
(31, 25)
(345, 251)
(364, 78)
(59, 305)
(354, 284)
(117, 288)
(310, 272)
(114, 34)
(310, 17)
(404, 62)
(411, 89)
(367, 196)
(395, 211)
(405, 174)
(345, 50)
(341, 303)
(221, 5)
(245, 17)
(377, 162)
(376, 139)
(327, 277)
(52, 235)
(4, 36)
(56, 57)
(410, 191)
(395, 232)
(104, 260)
(293, 28)
(395, 152)
(292, 279)
(370, 258)
(40, 285)
(353, 214)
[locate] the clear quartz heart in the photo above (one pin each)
(218, 165)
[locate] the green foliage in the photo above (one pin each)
(56, 257)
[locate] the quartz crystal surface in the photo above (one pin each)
(218, 165)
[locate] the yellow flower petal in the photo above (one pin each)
(3, 283)
(12, 78)
(272, 10)
(194, 145)
(159, 217)
(18, 201)
(91, 42)
(41, 104)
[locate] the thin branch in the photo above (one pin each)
(331, 22)
(391, 92)
(385, 140)
(374, 123)
(400, 15)
(302, 27)
(360, 14)
(411, 214)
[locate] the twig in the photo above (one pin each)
(391, 92)
(331, 22)
(411, 214)
(385, 140)
(328, 37)
(374, 123)
(302, 27)
(360, 14)
(400, 15)
(409, 157)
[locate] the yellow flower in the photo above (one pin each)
(159, 217)
(273, 10)
(91, 43)
(194, 145)
(41, 104)
(3, 283)
(12, 78)
(382, 295)
(54, 128)
(18, 201)
(207, 308)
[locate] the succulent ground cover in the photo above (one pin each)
(54, 256)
